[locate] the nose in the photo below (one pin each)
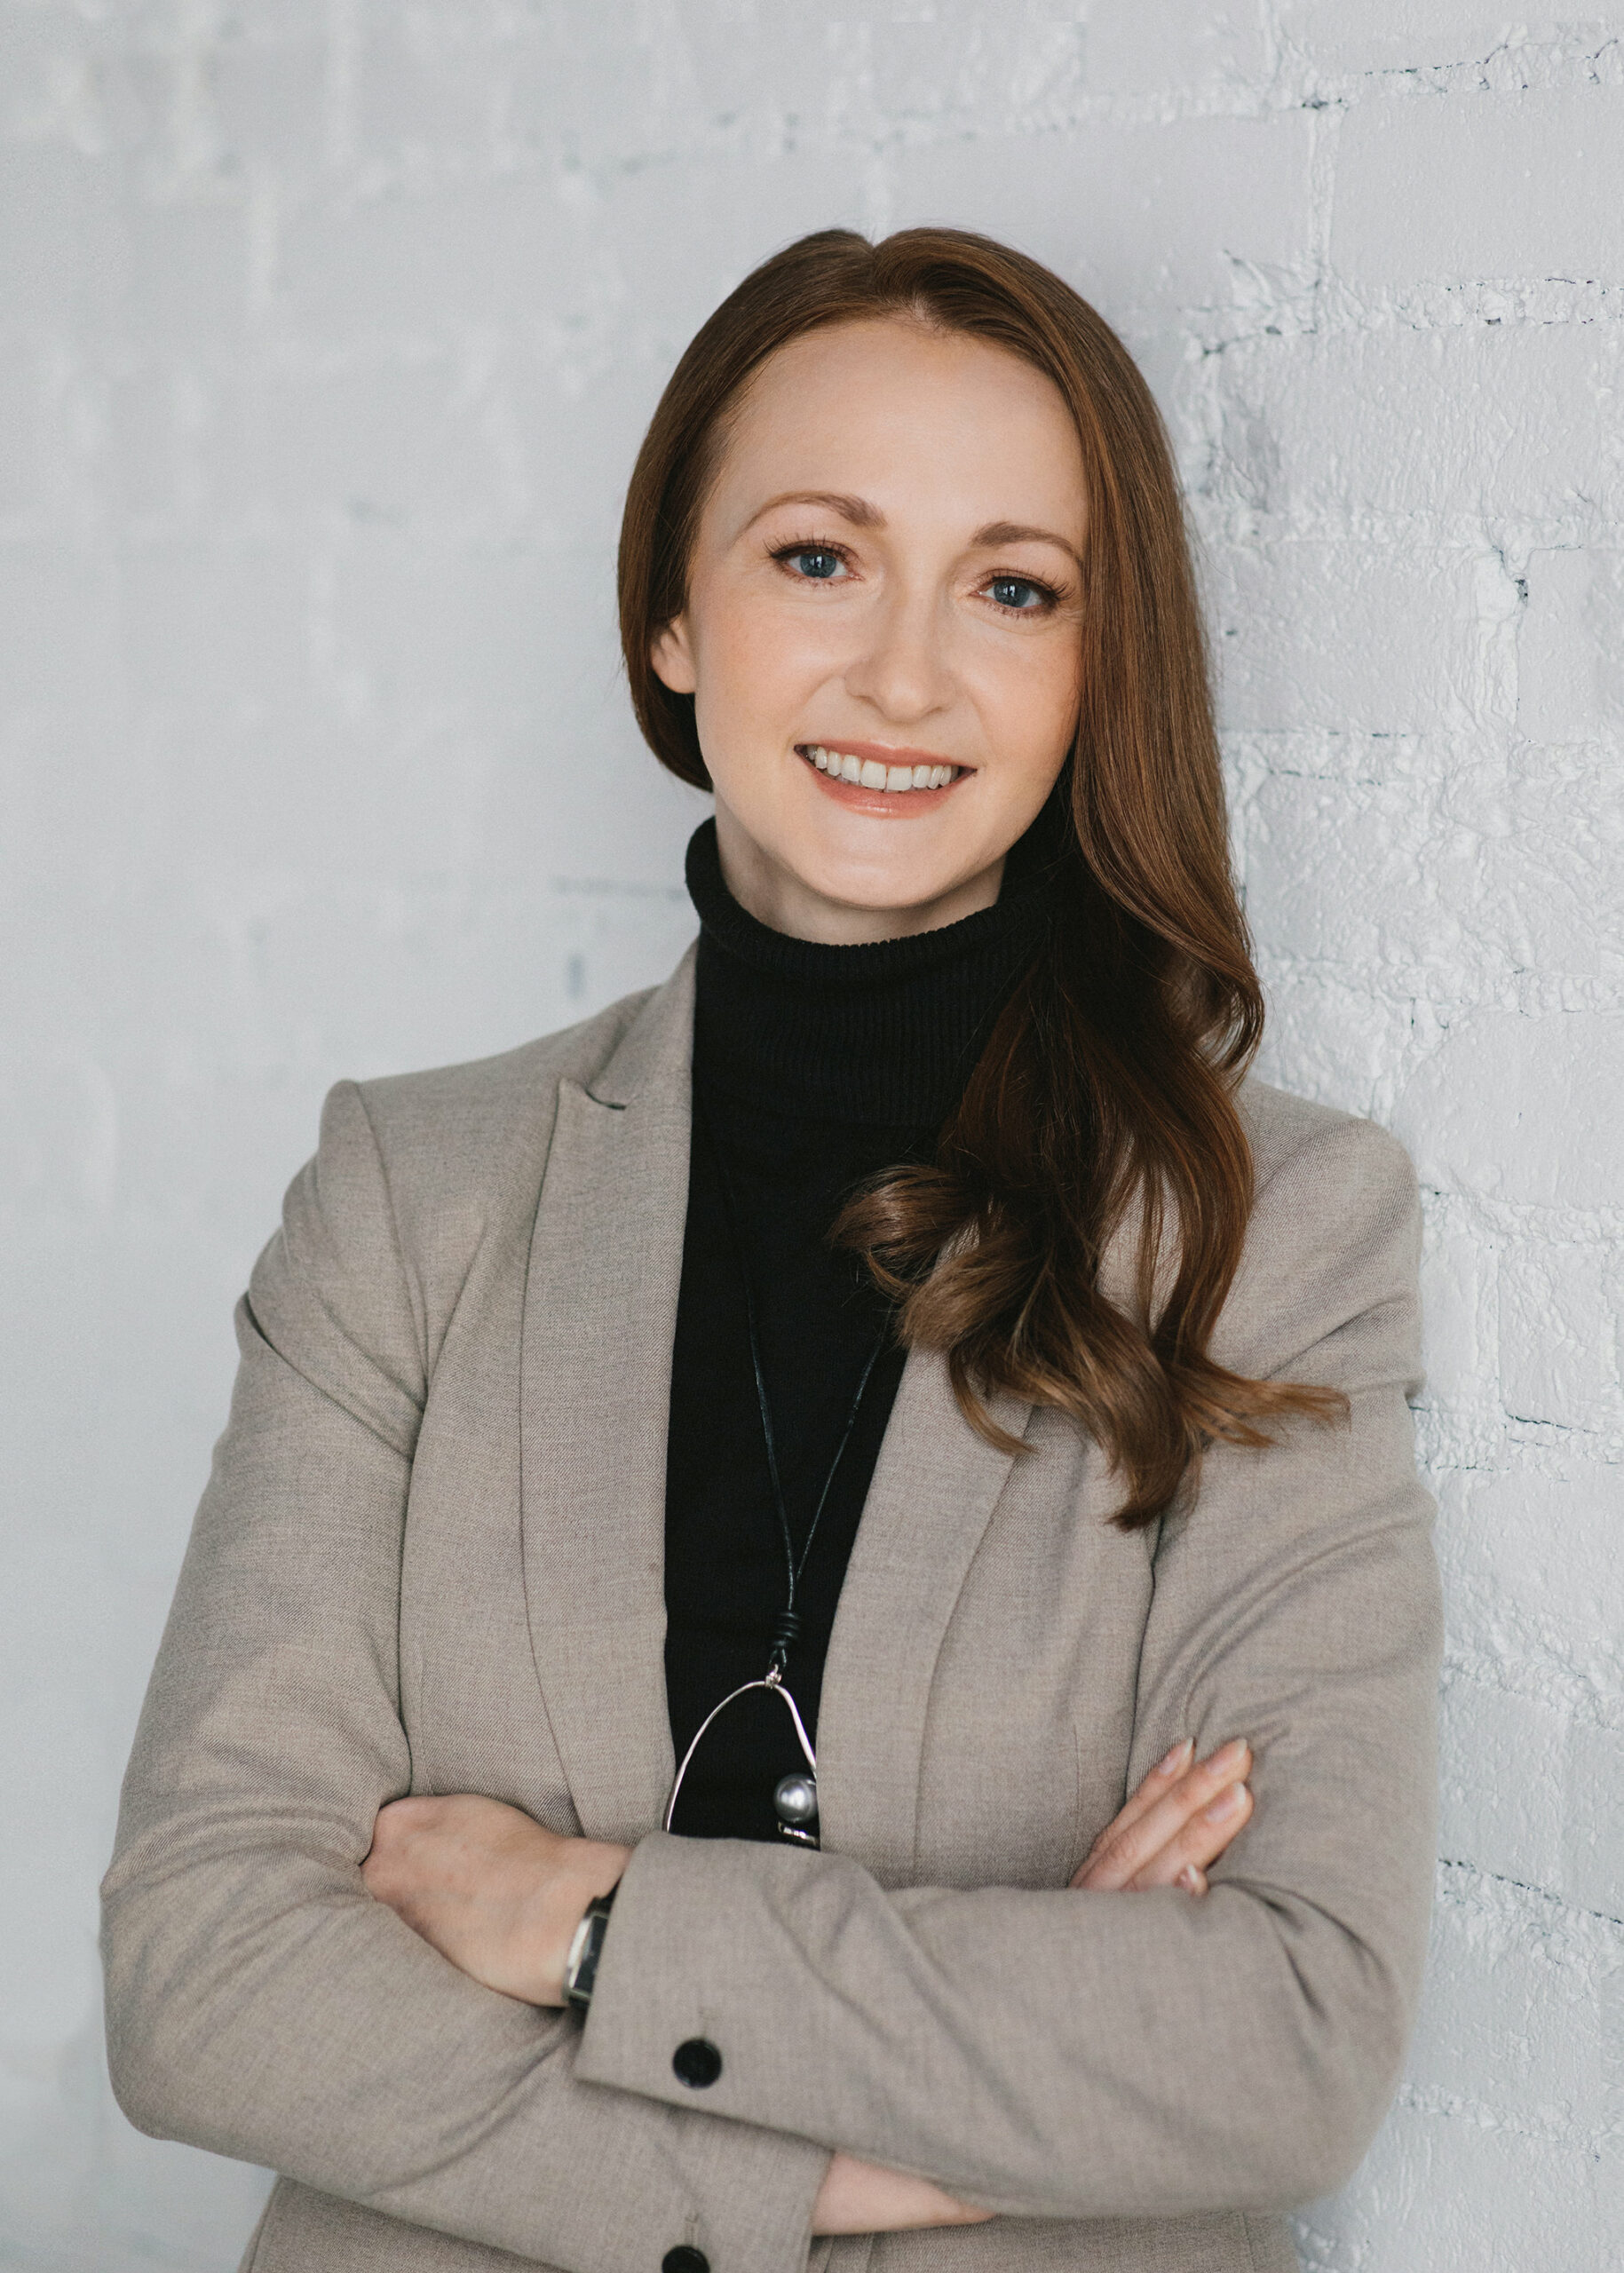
(901, 670)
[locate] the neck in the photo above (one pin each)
(874, 1033)
(779, 899)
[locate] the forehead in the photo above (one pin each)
(894, 410)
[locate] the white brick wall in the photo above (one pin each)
(327, 331)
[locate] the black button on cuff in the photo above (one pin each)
(697, 2062)
(685, 2258)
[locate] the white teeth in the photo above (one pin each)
(868, 774)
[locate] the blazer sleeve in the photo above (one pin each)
(1095, 2054)
(260, 2002)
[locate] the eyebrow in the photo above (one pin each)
(863, 514)
(857, 511)
(1017, 533)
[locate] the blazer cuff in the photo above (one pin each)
(756, 2206)
(673, 2016)
(753, 2192)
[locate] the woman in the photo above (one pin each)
(919, 1249)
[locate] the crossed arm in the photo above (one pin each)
(501, 1896)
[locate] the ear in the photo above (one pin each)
(672, 657)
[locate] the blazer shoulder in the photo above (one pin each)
(1335, 1233)
(1292, 1136)
(453, 1123)
(417, 1176)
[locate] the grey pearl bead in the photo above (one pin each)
(796, 1800)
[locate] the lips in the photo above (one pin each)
(874, 773)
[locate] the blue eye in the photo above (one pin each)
(816, 562)
(1017, 592)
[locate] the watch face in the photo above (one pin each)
(577, 1950)
(581, 1965)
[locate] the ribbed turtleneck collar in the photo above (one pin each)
(883, 1033)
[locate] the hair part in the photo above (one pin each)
(1104, 1103)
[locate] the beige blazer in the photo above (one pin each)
(429, 1559)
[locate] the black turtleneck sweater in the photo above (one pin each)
(813, 1067)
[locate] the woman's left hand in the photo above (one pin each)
(490, 1888)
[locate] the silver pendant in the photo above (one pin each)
(795, 1801)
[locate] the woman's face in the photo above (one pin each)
(886, 583)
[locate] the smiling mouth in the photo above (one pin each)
(872, 774)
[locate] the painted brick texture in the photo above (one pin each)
(327, 328)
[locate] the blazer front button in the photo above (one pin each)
(698, 2062)
(685, 2258)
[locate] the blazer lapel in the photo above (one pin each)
(935, 1486)
(600, 1311)
(600, 1316)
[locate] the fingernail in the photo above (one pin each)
(1176, 1759)
(1227, 1805)
(1229, 1756)
(1193, 1881)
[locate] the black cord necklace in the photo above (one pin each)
(795, 1799)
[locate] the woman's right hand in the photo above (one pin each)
(1176, 1825)
(1173, 1828)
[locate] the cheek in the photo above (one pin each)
(1028, 702)
(755, 669)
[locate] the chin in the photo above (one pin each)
(853, 864)
(879, 885)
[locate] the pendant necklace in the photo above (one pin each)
(795, 1798)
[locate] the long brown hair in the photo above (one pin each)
(1108, 1082)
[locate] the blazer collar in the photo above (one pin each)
(600, 1317)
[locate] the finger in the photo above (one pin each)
(1199, 1843)
(1151, 1788)
(1129, 1841)
(1185, 1783)
(1126, 1848)
(1160, 1780)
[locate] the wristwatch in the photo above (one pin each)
(586, 1947)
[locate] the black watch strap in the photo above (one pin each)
(581, 1965)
